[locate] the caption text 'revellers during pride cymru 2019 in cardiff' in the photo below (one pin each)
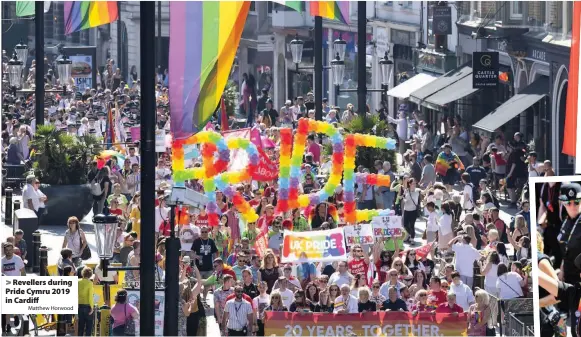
(304, 168)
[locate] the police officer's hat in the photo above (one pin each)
(570, 191)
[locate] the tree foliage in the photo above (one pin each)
(62, 159)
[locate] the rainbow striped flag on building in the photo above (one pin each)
(204, 40)
(81, 15)
(332, 10)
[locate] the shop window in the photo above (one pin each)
(516, 10)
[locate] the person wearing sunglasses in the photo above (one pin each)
(437, 293)
(359, 262)
(570, 235)
(301, 303)
(392, 282)
(238, 316)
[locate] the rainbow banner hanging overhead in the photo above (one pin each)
(570, 138)
(332, 10)
(204, 39)
(81, 15)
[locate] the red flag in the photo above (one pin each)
(570, 132)
(224, 115)
(261, 242)
(424, 250)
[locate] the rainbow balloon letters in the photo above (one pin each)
(291, 157)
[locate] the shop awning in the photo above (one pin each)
(453, 92)
(404, 90)
(515, 105)
(441, 83)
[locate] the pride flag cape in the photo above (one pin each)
(81, 15)
(443, 163)
(332, 10)
(204, 40)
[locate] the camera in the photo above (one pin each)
(554, 319)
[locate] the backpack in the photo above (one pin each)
(96, 188)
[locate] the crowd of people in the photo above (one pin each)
(452, 182)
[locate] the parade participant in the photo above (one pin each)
(250, 288)
(241, 264)
(450, 307)
(394, 302)
(301, 303)
(85, 315)
(341, 276)
(205, 251)
(12, 265)
(480, 316)
(220, 296)
(466, 255)
(508, 283)
(75, 240)
(447, 166)
(238, 319)
(276, 302)
(345, 303)
(392, 282)
(464, 295)
(269, 271)
(436, 294)
(261, 303)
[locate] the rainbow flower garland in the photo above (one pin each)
(290, 167)
(210, 174)
(352, 215)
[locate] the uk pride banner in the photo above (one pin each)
(364, 324)
(324, 246)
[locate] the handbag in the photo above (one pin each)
(129, 324)
(86, 253)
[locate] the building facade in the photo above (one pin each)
(533, 40)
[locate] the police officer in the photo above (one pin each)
(570, 238)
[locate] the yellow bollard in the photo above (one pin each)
(104, 321)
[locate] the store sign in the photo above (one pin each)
(537, 54)
(381, 41)
(485, 68)
(442, 20)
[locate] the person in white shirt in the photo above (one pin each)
(467, 193)
(341, 276)
(535, 169)
(286, 294)
(445, 233)
(345, 303)
(238, 316)
(12, 265)
(466, 254)
(402, 129)
(133, 157)
(187, 233)
(30, 199)
(432, 222)
(464, 295)
(161, 214)
(509, 284)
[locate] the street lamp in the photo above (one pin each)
(338, 66)
(64, 67)
(22, 52)
(296, 47)
(339, 47)
(14, 73)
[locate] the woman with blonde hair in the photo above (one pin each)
(421, 302)
(469, 229)
(480, 315)
(269, 271)
(276, 302)
(402, 270)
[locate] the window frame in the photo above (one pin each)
(513, 14)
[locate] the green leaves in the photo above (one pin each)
(60, 158)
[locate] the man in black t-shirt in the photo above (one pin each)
(205, 251)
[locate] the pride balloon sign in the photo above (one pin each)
(291, 157)
(210, 174)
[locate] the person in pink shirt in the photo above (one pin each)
(314, 148)
(122, 312)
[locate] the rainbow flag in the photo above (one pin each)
(204, 40)
(332, 10)
(572, 114)
(443, 163)
(81, 15)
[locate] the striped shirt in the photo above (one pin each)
(238, 312)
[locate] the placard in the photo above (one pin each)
(485, 68)
(316, 246)
(359, 234)
(160, 140)
(387, 226)
(82, 71)
(134, 296)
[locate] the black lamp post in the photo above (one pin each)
(172, 270)
(64, 67)
(385, 68)
(14, 73)
(297, 45)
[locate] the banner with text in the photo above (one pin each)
(134, 298)
(359, 234)
(328, 245)
(364, 324)
(387, 226)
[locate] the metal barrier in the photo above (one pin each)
(501, 310)
(519, 324)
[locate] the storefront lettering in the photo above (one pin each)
(540, 55)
